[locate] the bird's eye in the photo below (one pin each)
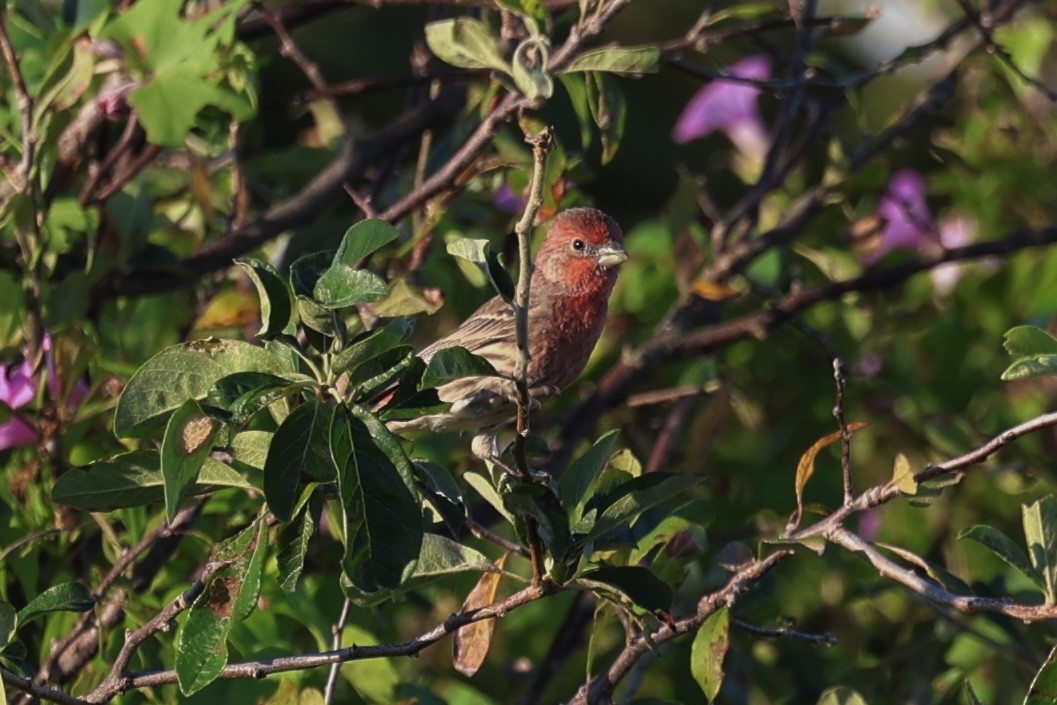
(578, 245)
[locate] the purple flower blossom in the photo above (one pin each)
(505, 201)
(17, 389)
(909, 225)
(908, 222)
(729, 106)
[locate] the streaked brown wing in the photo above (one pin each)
(489, 332)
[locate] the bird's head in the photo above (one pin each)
(582, 250)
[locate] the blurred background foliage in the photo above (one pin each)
(923, 360)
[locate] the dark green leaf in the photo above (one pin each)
(438, 557)
(306, 271)
(133, 480)
(643, 59)
(67, 597)
(298, 451)
(620, 505)
(274, 296)
(708, 652)
(454, 363)
(465, 42)
(370, 345)
(292, 543)
(8, 623)
(576, 87)
(393, 363)
(362, 239)
(442, 495)
(183, 372)
(188, 441)
(379, 502)
(609, 110)
(1040, 533)
(637, 584)
(242, 396)
(1003, 547)
(543, 506)
(581, 473)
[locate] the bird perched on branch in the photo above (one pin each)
(575, 270)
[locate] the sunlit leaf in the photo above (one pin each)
(806, 467)
(643, 59)
(708, 652)
(465, 42)
(187, 442)
(472, 642)
(903, 475)
(1040, 533)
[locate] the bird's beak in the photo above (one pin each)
(611, 254)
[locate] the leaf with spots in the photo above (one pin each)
(229, 595)
(188, 441)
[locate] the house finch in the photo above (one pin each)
(569, 296)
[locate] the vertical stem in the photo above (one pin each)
(541, 146)
(339, 627)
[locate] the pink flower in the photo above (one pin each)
(908, 222)
(17, 390)
(729, 106)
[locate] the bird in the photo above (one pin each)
(574, 274)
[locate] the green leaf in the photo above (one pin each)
(342, 286)
(841, 695)
(243, 394)
(1003, 547)
(250, 591)
(298, 451)
(542, 505)
(1032, 366)
(465, 42)
(708, 651)
(370, 345)
(182, 372)
(362, 239)
(379, 502)
(441, 495)
(637, 584)
(292, 543)
(618, 506)
(480, 253)
(581, 473)
(134, 480)
(8, 624)
(1029, 340)
(483, 486)
(576, 87)
(642, 59)
(439, 557)
(609, 110)
(1040, 533)
(273, 292)
(67, 597)
(1043, 688)
(188, 441)
(201, 642)
(529, 68)
(454, 363)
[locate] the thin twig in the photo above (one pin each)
(541, 147)
(841, 383)
(335, 644)
(38, 691)
(25, 107)
(786, 632)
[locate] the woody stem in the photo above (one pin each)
(541, 146)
